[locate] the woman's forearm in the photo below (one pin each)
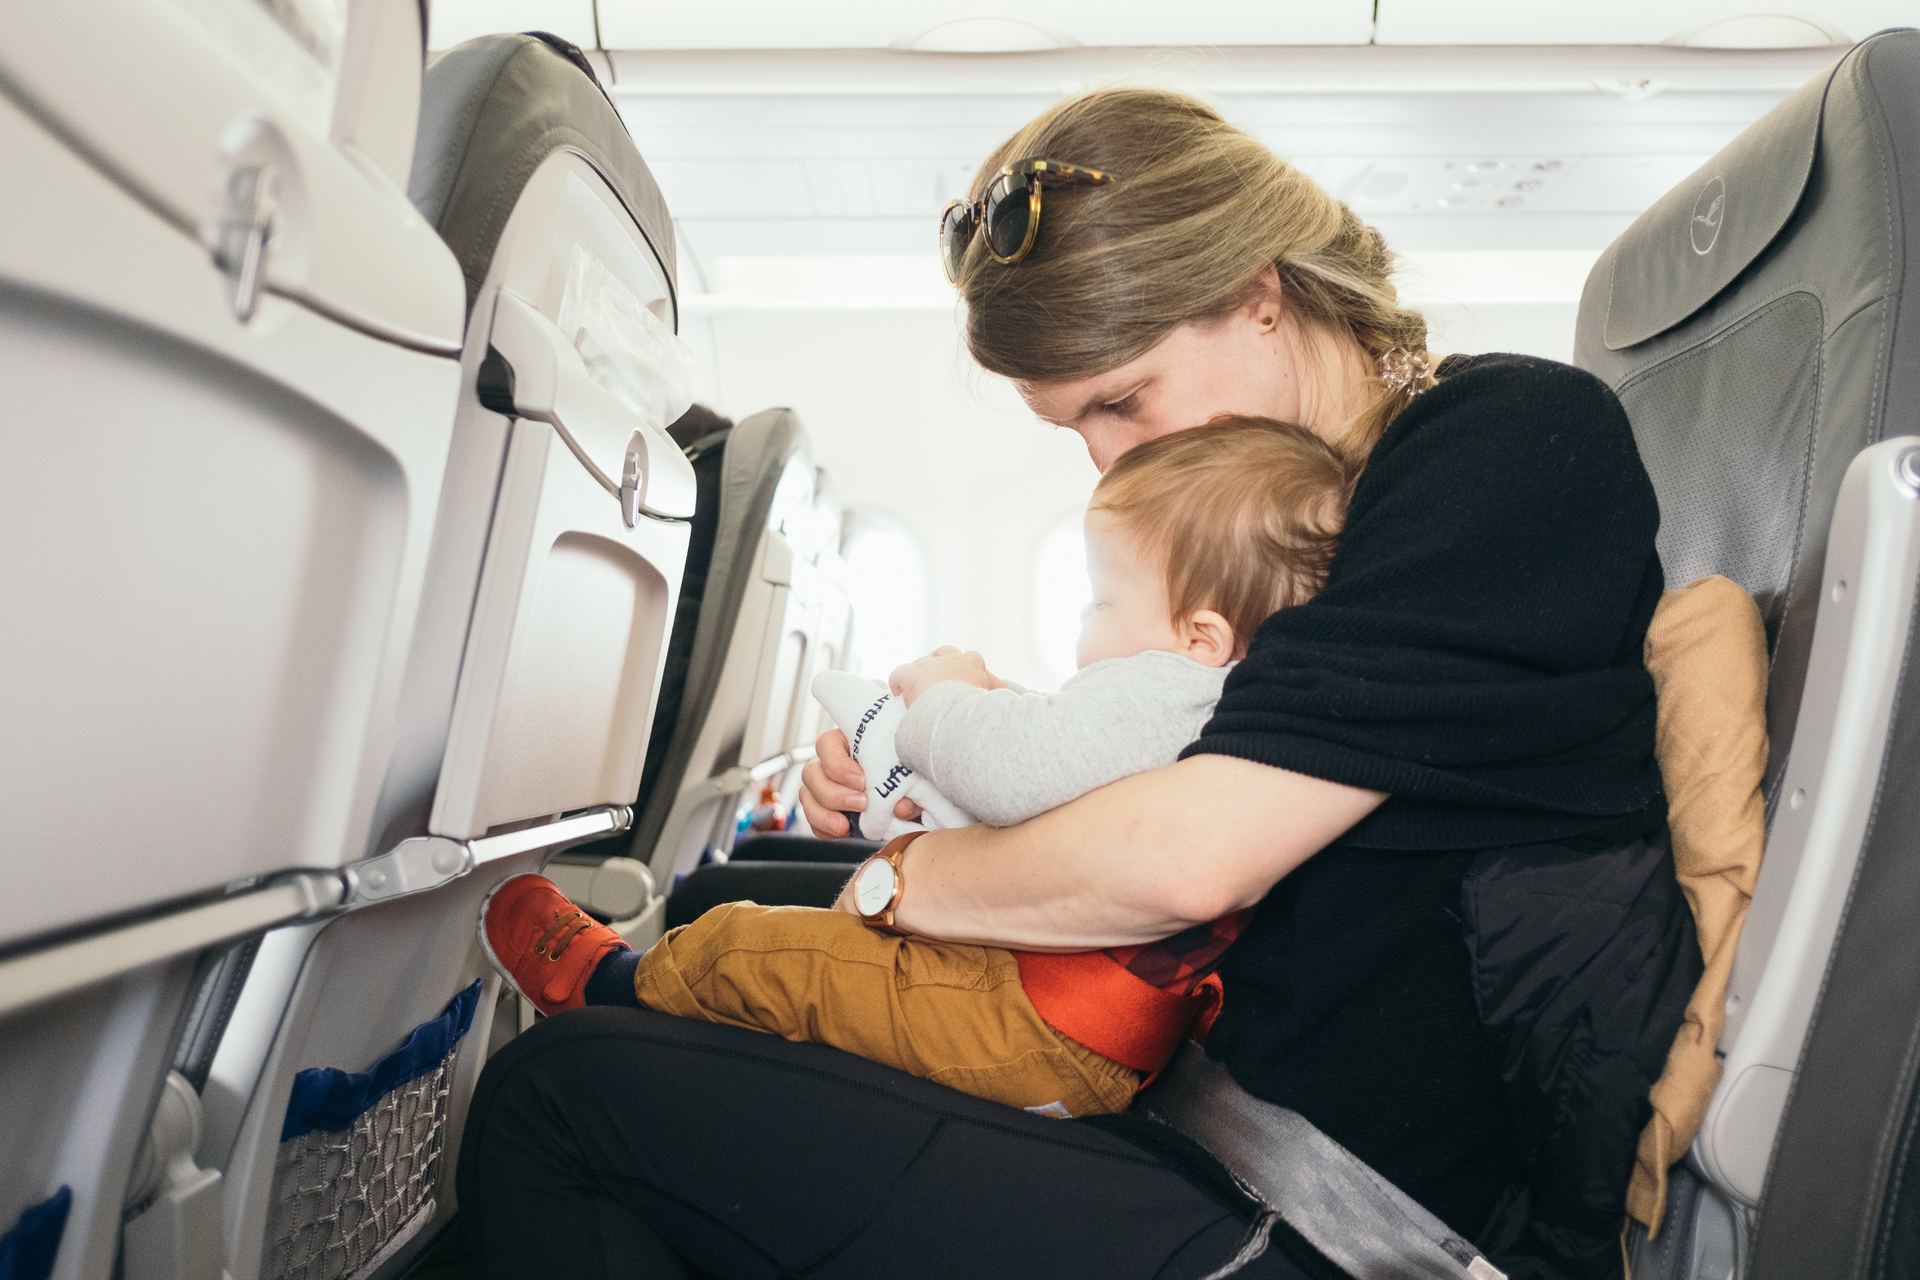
(1133, 862)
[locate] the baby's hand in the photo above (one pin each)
(944, 663)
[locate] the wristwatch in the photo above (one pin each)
(880, 881)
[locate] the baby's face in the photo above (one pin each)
(1129, 610)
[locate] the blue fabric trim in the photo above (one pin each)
(27, 1252)
(327, 1099)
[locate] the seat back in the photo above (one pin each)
(702, 435)
(749, 652)
(1759, 328)
(217, 545)
(824, 610)
(530, 690)
(833, 632)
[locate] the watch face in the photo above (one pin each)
(873, 887)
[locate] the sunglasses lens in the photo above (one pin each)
(1009, 213)
(956, 229)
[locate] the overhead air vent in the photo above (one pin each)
(1473, 184)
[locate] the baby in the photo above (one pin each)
(1193, 540)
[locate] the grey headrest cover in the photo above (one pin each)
(491, 110)
(1682, 252)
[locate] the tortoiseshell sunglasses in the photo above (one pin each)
(1010, 212)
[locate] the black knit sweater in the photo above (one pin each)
(1476, 655)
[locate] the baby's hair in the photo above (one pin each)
(1243, 515)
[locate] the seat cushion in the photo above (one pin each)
(1707, 651)
(771, 884)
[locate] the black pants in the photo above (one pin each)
(625, 1143)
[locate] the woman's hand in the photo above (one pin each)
(833, 784)
(943, 664)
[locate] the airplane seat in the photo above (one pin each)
(735, 722)
(702, 436)
(1760, 328)
(336, 1098)
(217, 551)
(820, 624)
(783, 864)
(833, 632)
(599, 873)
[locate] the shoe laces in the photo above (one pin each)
(566, 926)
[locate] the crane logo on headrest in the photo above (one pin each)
(1709, 212)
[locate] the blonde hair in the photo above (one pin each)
(1241, 514)
(1197, 213)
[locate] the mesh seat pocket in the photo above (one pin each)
(360, 1154)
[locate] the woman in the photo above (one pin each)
(1469, 680)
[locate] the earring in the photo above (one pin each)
(1406, 371)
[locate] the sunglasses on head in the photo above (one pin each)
(1009, 212)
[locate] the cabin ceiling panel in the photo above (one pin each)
(980, 26)
(1736, 24)
(953, 134)
(1216, 71)
(451, 21)
(1484, 161)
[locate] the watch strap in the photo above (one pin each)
(894, 851)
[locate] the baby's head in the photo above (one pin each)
(1196, 538)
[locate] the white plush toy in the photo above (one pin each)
(870, 715)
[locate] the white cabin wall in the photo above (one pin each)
(1539, 329)
(907, 425)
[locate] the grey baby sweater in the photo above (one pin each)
(1006, 755)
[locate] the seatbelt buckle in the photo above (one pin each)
(1211, 997)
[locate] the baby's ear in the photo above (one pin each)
(1210, 639)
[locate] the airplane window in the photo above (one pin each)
(1060, 596)
(889, 592)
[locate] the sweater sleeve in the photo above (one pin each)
(1476, 653)
(1006, 755)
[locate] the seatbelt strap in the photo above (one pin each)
(1364, 1224)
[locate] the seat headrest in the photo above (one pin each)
(491, 111)
(1755, 371)
(1679, 255)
